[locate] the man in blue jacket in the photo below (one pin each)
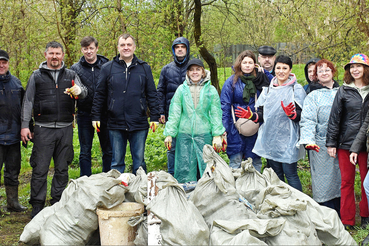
(88, 69)
(11, 94)
(127, 87)
(172, 75)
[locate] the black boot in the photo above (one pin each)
(12, 199)
(364, 222)
(36, 208)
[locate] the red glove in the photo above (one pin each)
(313, 147)
(243, 113)
(290, 110)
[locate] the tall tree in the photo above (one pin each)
(209, 58)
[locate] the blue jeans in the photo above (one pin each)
(86, 135)
(288, 170)
(137, 140)
(366, 185)
(171, 157)
(236, 159)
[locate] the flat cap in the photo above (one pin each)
(4, 55)
(267, 50)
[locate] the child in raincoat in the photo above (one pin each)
(195, 119)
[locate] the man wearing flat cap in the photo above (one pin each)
(266, 59)
(11, 94)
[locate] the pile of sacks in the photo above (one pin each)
(227, 207)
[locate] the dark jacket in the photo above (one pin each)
(307, 87)
(128, 93)
(89, 75)
(347, 115)
(53, 77)
(232, 95)
(11, 95)
(51, 104)
(172, 75)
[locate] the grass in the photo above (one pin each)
(156, 159)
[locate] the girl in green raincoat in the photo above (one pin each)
(195, 119)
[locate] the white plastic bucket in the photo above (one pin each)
(114, 229)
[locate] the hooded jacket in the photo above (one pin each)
(172, 75)
(89, 75)
(307, 87)
(347, 115)
(11, 94)
(128, 93)
(195, 117)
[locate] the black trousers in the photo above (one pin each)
(10, 155)
(56, 143)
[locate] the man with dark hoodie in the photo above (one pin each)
(11, 94)
(50, 96)
(309, 73)
(172, 75)
(88, 69)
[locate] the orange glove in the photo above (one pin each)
(313, 147)
(289, 110)
(243, 113)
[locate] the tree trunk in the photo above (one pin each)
(210, 60)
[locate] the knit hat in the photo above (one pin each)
(358, 59)
(4, 55)
(195, 61)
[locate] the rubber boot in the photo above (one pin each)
(12, 199)
(364, 222)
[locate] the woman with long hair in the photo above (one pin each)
(279, 107)
(325, 171)
(241, 90)
(348, 112)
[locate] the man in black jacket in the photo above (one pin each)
(172, 75)
(50, 96)
(127, 87)
(88, 69)
(11, 94)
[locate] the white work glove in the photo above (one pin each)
(96, 125)
(154, 125)
(168, 142)
(217, 143)
(75, 90)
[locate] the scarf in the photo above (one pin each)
(249, 90)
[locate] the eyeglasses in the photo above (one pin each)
(325, 71)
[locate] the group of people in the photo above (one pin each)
(261, 112)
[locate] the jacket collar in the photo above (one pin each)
(6, 77)
(99, 62)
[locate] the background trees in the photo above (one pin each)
(217, 29)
